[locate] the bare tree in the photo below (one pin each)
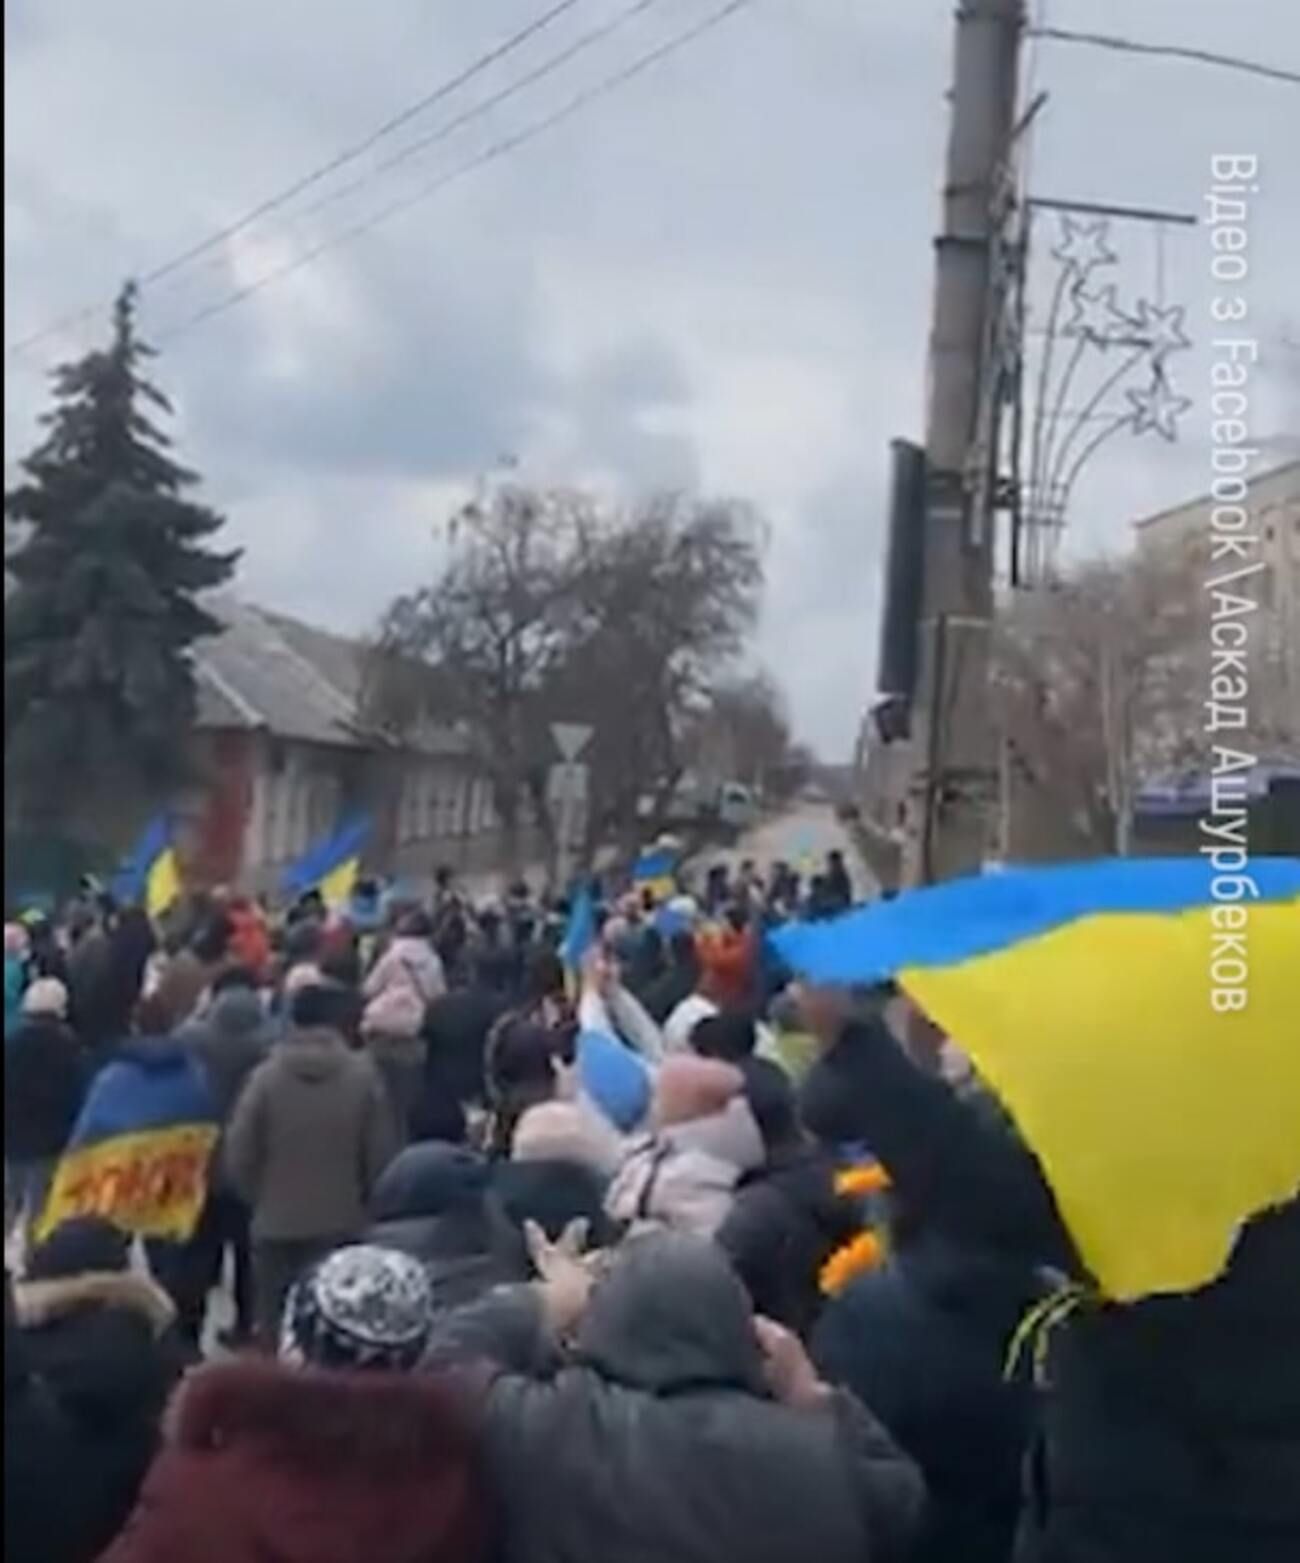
(552, 607)
(1096, 685)
(744, 735)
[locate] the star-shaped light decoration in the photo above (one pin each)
(1161, 329)
(1098, 317)
(1082, 246)
(1158, 408)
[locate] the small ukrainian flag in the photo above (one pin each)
(656, 871)
(150, 876)
(332, 866)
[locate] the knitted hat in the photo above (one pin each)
(46, 996)
(689, 1088)
(17, 942)
(362, 1307)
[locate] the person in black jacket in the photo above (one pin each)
(99, 1337)
(678, 1426)
(786, 1219)
(432, 1202)
(923, 1341)
(45, 1084)
(678, 981)
(456, 1030)
(1171, 1427)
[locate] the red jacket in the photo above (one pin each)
(304, 1466)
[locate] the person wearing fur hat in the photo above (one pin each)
(100, 1337)
(336, 1453)
(703, 1139)
(45, 1085)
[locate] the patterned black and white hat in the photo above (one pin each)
(362, 1307)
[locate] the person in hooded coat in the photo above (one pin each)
(1171, 1426)
(677, 1426)
(100, 1339)
(923, 1341)
(432, 1202)
(309, 1137)
(336, 1453)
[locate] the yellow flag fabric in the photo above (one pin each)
(1161, 1123)
(337, 886)
(164, 883)
(1084, 995)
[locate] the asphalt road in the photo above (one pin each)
(802, 837)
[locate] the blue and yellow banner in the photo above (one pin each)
(332, 865)
(1163, 1118)
(150, 875)
(656, 871)
(140, 1152)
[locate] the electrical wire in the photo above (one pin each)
(315, 175)
(490, 154)
(512, 89)
(1165, 51)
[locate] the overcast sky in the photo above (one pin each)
(716, 277)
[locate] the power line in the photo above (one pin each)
(313, 176)
(1165, 51)
(512, 89)
(490, 154)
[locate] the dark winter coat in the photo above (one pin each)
(229, 1042)
(924, 1342)
(41, 1450)
(1171, 1426)
(99, 1344)
(45, 1083)
(785, 1222)
(657, 1440)
(303, 1466)
(455, 1032)
(432, 1203)
(309, 1137)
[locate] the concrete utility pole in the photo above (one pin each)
(953, 785)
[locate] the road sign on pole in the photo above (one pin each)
(571, 738)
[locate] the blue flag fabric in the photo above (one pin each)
(580, 934)
(331, 862)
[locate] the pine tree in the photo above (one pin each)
(103, 604)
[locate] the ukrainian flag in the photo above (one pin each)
(150, 876)
(1085, 995)
(579, 935)
(656, 871)
(332, 866)
(140, 1153)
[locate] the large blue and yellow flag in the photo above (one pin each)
(1085, 996)
(150, 875)
(656, 871)
(140, 1152)
(332, 865)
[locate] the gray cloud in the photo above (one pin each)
(718, 276)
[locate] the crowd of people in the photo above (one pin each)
(515, 1248)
